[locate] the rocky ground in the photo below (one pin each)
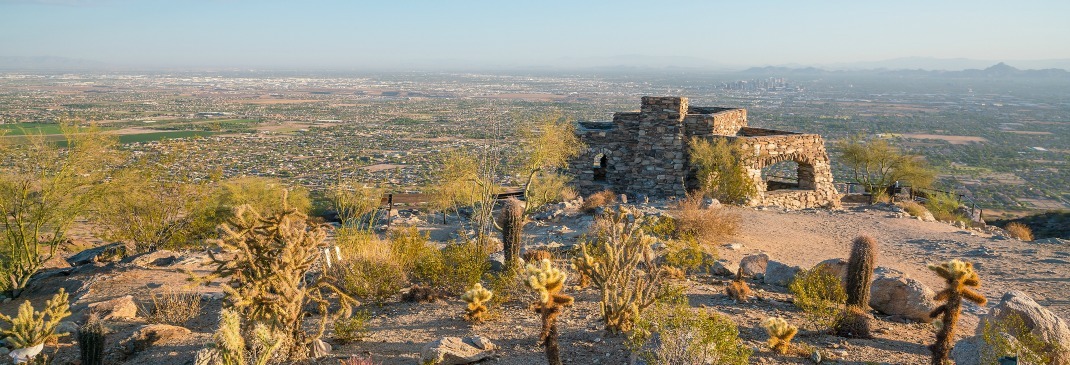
(398, 330)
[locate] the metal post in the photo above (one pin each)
(390, 209)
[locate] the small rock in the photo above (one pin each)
(320, 349)
(456, 351)
(754, 265)
(67, 327)
(723, 268)
(152, 335)
(118, 308)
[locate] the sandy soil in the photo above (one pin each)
(398, 330)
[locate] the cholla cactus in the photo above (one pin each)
(31, 328)
(959, 276)
(476, 297)
(548, 282)
(266, 278)
(229, 343)
(624, 268)
(780, 333)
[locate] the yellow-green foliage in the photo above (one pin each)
(1019, 231)
(820, 294)
(876, 164)
(623, 268)
(265, 268)
(1023, 343)
(30, 328)
(913, 208)
(464, 264)
(352, 329)
(960, 277)
(943, 206)
(264, 195)
(372, 279)
(720, 172)
(780, 333)
(354, 202)
(686, 337)
(476, 298)
(548, 188)
(686, 254)
(227, 340)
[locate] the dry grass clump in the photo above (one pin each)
(538, 255)
(173, 308)
(913, 208)
(1019, 231)
(422, 294)
(738, 289)
(709, 226)
(597, 200)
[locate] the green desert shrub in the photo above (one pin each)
(677, 334)
(943, 206)
(687, 255)
(913, 208)
(1009, 336)
(820, 294)
(352, 329)
(720, 170)
(373, 279)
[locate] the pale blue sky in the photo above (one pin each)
(428, 34)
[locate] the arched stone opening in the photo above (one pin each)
(601, 167)
(788, 172)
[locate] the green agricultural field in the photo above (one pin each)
(20, 129)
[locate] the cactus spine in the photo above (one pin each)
(477, 298)
(511, 220)
(547, 281)
(960, 276)
(91, 337)
(780, 333)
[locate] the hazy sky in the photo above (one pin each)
(507, 33)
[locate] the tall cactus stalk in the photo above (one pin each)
(511, 220)
(960, 277)
(91, 337)
(860, 271)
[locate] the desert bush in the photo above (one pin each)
(959, 276)
(372, 278)
(422, 294)
(710, 226)
(624, 268)
(720, 170)
(464, 264)
(820, 294)
(913, 208)
(943, 206)
(687, 255)
(30, 328)
(264, 195)
(598, 200)
(738, 289)
(173, 308)
(663, 227)
(1019, 231)
(355, 203)
(1022, 342)
(509, 285)
(549, 188)
(265, 265)
(676, 334)
(352, 329)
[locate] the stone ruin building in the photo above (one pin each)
(645, 153)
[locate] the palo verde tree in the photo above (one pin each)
(546, 146)
(154, 205)
(877, 164)
(43, 187)
(355, 203)
(469, 178)
(720, 171)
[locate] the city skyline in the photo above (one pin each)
(475, 34)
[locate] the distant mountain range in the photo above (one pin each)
(999, 70)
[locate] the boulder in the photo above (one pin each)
(754, 265)
(975, 351)
(779, 274)
(1041, 322)
(895, 294)
(723, 268)
(456, 351)
(321, 349)
(118, 308)
(152, 335)
(837, 266)
(106, 253)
